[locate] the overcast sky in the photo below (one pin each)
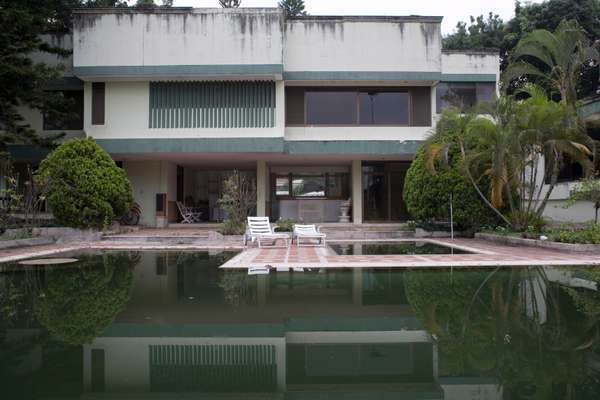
(452, 10)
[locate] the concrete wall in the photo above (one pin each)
(582, 211)
(149, 178)
(470, 62)
(357, 133)
(178, 37)
(352, 44)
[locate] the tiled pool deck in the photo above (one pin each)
(484, 254)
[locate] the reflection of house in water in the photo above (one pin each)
(329, 334)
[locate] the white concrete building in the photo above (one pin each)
(317, 110)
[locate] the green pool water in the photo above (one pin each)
(383, 248)
(120, 325)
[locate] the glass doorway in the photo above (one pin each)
(383, 184)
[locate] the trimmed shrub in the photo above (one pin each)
(84, 186)
(427, 195)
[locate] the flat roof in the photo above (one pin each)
(257, 10)
(370, 18)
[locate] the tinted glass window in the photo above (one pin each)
(335, 185)
(384, 108)
(294, 106)
(463, 95)
(309, 186)
(459, 95)
(331, 108)
(282, 186)
(98, 89)
(485, 92)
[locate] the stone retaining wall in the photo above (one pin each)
(546, 244)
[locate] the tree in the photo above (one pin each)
(83, 185)
(588, 189)
(104, 3)
(504, 149)
(238, 200)
(555, 60)
(427, 194)
(292, 8)
(499, 324)
(22, 80)
(230, 3)
(481, 34)
(547, 15)
(145, 3)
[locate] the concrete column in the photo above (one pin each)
(262, 186)
(357, 192)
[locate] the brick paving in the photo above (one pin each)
(484, 254)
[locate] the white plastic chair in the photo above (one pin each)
(309, 232)
(260, 230)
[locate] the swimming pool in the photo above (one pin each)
(121, 324)
(398, 247)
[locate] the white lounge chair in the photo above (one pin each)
(308, 232)
(260, 230)
(189, 214)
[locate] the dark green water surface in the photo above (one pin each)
(156, 325)
(383, 248)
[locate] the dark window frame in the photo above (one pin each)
(98, 103)
(357, 91)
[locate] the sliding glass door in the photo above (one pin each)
(383, 183)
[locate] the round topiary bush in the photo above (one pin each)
(83, 185)
(427, 195)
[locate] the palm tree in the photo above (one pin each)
(292, 8)
(230, 3)
(502, 151)
(454, 130)
(553, 59)
(553, 132)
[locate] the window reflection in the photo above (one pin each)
(330, 108)
(282, 186)
(384, 108)
(309, 186)
(463, 95)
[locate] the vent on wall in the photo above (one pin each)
(178, 105)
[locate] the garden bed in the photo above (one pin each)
(546, 244)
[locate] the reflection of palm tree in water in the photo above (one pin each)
(514, 325)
